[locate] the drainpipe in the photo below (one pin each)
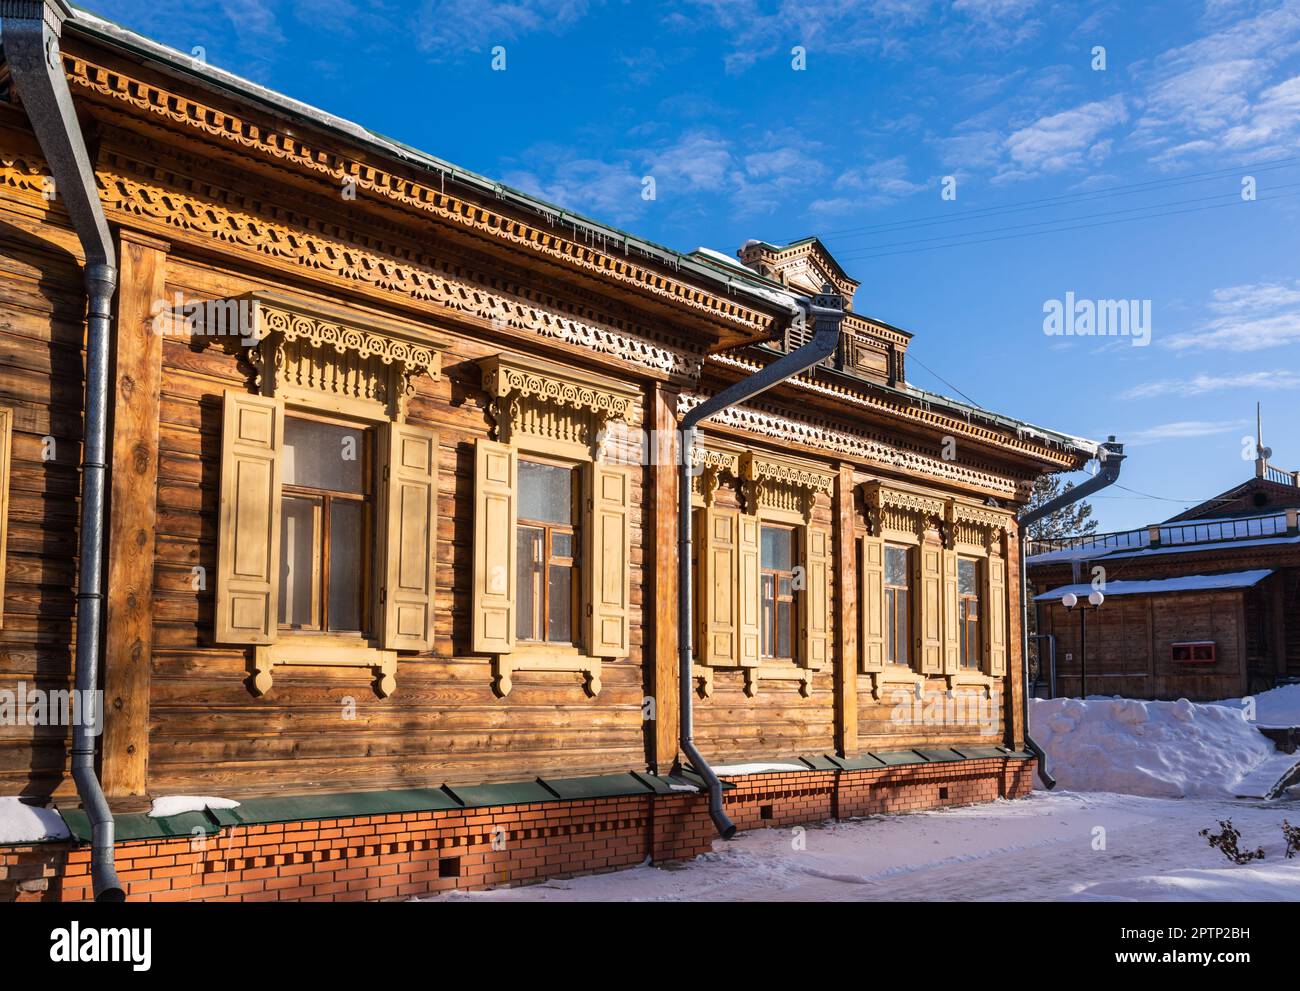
(1111, 456)
(826, 311)
(31, 31)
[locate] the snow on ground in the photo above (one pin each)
(1050, 846)
(23, 823)
(1170, 749)
(176, 804)
(1276, 707)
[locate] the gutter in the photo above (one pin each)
(827, 312)
(31, 30)
(1111, 455)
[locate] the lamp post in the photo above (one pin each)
(1071, 602)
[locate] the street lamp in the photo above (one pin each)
(1071, 601)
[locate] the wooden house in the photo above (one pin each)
(1202, 606)
(390, 540)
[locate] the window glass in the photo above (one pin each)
(298, 521)
(323, 455)
(531, 543)
(778, 548)
(347, 548)
(895, 565)
(545, 493)
(966, 584)
(559, 600)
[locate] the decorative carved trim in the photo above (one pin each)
(553, 405)
(857, 445)
(300, 345)
(770, 482)
(753, 677)
(312, 250)
(901, 510)
(505, 665)
(894, 674)
(287, 150)
(945, 423)
(310, 653)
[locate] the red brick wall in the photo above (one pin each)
(421, 853)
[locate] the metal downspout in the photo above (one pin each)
(827, 312)
(1111, 456)
(31, 30)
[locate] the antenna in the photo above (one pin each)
(1262, 453)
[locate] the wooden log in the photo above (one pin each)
(128, 639)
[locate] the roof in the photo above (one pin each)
(176, 63)
(705, 264)
(1164, 586)
(1174, 538)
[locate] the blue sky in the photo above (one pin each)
(1122, 182)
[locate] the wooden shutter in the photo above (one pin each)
(495, 513)
(717, 585)
(248, 528)
(873, 604)
(411, 532)
(609, 547)
(995, 610)
(930, 641)
(815, 616)
(749, 579)
(951, 627)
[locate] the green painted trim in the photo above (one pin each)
(897, 758)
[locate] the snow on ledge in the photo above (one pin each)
(23, 823)
(735, 770)
(177, 804)
(1158, 586)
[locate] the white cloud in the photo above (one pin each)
(606, 190)
(1198, 385)
(1182, 430)
(1067, 139)
(452, 27)
(1250, 317)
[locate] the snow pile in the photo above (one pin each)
(1163, 749)
(23, 823)
(177, 804)
(736, 770)
(1277, 707)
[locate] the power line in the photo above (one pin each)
(911, 356)
(1044, 223)
(1081, 196)
(1062, 230)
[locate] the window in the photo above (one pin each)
(326, 526)
(547, 553)
(777, 613)
(1194, 652)
(968, 613)
(898, 613)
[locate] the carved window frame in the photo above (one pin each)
(538, 408)
(312, 357)
(778, 490)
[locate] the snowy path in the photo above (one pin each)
(1040, 848)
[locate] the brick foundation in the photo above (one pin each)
(421, 853)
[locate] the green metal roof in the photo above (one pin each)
(346, 805)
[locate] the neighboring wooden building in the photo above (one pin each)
(1203, 606)
(391, 546)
